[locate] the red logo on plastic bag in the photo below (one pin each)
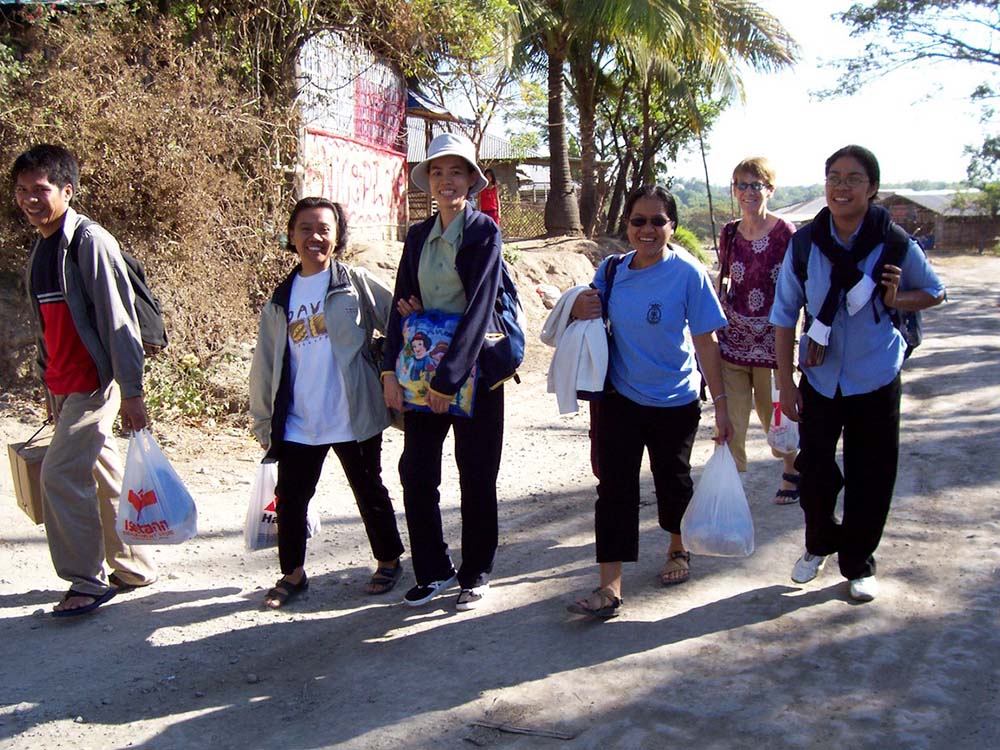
(272, 506)
(141, 500)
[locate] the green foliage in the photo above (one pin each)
(686, 239)
(511, 254)
(180, 388)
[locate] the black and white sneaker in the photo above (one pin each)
(420, 595)
(471, 598)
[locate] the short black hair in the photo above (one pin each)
(338, 213)
(658, 192)
(58, 164)
(864, 156)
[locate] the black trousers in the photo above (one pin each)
(478, 445)
(624, 428)
(299, 468)
(869, 424)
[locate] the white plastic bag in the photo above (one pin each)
(260, 530)
(155, 507)
(717, 521)
(783, 436)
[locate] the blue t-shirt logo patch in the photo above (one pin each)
(654, 314)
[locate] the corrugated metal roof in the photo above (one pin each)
(938, 201)
(491, 148)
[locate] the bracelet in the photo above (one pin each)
(720, 397)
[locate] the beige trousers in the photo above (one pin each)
(81, 482)
(746, 386)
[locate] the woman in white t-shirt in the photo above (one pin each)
(314, 385)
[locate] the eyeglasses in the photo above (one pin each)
(852, 180)
(755, 186)
(656, 221)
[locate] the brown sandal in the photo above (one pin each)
(384, 580)
(678, 562)
(601, 603)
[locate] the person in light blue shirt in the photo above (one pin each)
(850, 357)
(662, 311)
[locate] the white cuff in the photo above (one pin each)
(819, 332)
(859, 295)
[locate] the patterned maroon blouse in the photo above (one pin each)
(754, 265)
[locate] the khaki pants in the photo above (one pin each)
(81, 482)
(745, 386)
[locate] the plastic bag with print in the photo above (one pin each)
(260, 529)
(155, 507)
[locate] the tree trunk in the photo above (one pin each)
(562, 213)
(618, 193)
(584, 77)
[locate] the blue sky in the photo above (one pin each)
(916, 120)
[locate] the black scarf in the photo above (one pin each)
(844, 273)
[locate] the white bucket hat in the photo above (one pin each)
(448, 144)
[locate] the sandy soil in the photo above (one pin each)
(739, 657)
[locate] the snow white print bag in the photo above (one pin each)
(426, 337)
(155, 507)
(717, 520)
(260, 530)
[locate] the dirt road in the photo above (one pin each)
(739, 657)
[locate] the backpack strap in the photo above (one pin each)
(610, 271)
(725, 250)
(74, 243)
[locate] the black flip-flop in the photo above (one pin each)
(123, 587)
(98, 601)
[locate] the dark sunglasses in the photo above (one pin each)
(656, 221)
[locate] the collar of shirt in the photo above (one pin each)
(454, 232)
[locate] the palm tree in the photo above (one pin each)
(642, 35)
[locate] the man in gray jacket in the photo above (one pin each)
(90, 359)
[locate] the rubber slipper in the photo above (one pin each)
(123, 587)
(98, 601)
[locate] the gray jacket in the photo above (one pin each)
(101, 302)
(356, 304)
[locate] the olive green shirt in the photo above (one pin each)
(440, 286)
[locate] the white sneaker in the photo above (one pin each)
(471, 598)
(864, 589)
(807, 567)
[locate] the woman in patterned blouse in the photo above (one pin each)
(750, 251)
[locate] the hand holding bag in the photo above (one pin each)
(260, 530)
(155, 507)
(717, 521)
(783, 436)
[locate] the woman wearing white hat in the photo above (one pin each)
(451, 263)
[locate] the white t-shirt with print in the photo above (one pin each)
(318, 414)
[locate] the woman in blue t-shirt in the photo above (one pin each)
(660, 293)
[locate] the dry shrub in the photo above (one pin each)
(178, 164)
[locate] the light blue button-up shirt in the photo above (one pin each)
(863, 355)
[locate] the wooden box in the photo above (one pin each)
(26, 471)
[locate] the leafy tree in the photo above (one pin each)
(639, 35)
(904, 32)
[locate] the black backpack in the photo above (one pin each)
(893, 252)
(152, 329)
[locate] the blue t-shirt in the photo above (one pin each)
(866, 350)
(652, 361)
